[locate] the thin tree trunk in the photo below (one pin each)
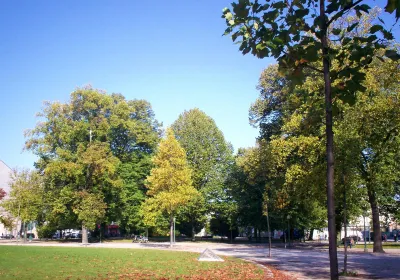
(171, 232)
(284, 234)
(84, 235)
(329, 147)
(193, 232)
(345, 233)
(269, 236)
(375, 221)
(25, 232)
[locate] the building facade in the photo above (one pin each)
(5, 177)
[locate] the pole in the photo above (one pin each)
(269, 234)
(288, 217)
(18, 221)
(174, 230)
(365, 238)
(284, 234)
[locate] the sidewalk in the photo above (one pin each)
(300, 262)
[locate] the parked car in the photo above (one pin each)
(7, 236)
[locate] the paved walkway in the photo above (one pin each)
(303, 263)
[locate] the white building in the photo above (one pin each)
(5, 177)
(356, 228)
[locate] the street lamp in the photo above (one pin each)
(288, 218)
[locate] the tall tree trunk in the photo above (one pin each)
(269, 233)
(171, 232)
(345, 233)
(25, 232)
(84, 235)
(310, 237)
(193, 232)
(375, 220)
(329, 146)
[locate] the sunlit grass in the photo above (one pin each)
(33, 262)
(385, 245)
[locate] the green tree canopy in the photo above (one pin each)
(210, 157)
(82, 147)
(170, 184)
(310, 35)
(25, 200)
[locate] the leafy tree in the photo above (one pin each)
(7, 221)
(296, 115)
(134, 136)
(96, 146)
(248, 186)
(289, 155)
(299, 34)
(372, 128)
(193, 216)
(73, 145)
(297, 121)
(220, 226)
(169, 184)
(26, 196)
(209, 156)
(90, 208)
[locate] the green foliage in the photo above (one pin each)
(393, 5)
(90, 209)
(303, 39)
(209, 156)
(26, 195)
(293, 158)
(369, 134)
(169, 184)
(7, 221)
(293, 32)
(206, 149)
(91, 145)
(246, 187)
(220, 227)
(46, 231)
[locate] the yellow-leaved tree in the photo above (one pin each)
(170, 183)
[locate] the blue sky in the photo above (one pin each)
(170, 53)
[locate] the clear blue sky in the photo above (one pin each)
(170, 53)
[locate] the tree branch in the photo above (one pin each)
(313, 68)
(304, 65)
(345, 9)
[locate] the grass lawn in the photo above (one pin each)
(386, 245)
(32, 262)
